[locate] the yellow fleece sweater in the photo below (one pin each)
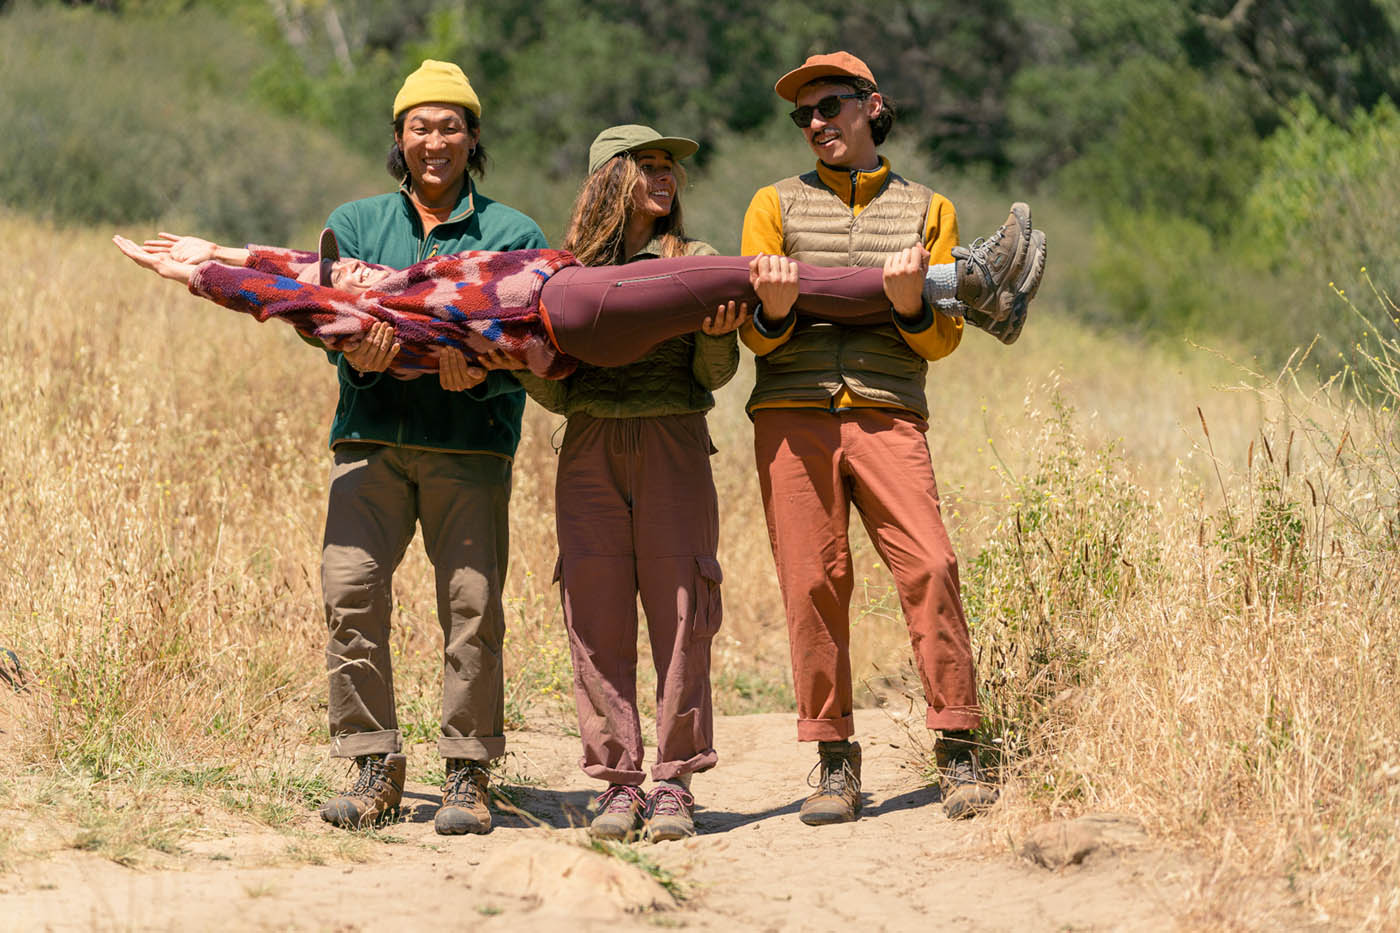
(763, 233)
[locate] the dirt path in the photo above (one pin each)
(755, 866)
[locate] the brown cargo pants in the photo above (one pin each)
(637, 514)
(813, 465)
(378, 495)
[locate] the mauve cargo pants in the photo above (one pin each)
(637, 514)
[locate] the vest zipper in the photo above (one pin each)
(854, 176)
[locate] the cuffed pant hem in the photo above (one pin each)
(953, 720)
(473, 748)
(826, 730)
(614, 775)
(670, 770)
(357, 744)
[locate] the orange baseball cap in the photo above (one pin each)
(832, 64)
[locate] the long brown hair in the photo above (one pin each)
(598, 225)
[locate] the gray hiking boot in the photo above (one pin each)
(966, 792)
(837, 799)
(464, 799)
(990, 270)
(619, 810)
(374, 797)
(1014, 302)
(670, 813)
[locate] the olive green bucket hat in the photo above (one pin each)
(631, 137)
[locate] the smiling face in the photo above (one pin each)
(436, 144)
(352, 275)
(845, 140)
(655, 191)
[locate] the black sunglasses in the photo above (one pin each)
(828, 107)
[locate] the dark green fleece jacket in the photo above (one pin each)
(376, 408)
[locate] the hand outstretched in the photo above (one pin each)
(159, 263)
(191, 249)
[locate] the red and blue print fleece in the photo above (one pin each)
(475, 301)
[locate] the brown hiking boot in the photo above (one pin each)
(1014, 301)
(374, 797)
(837, 799)
(464, 799)
(990, 271)
(619, 810)
(966, 792)
(670, 813)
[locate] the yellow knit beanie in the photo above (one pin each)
(436, 83)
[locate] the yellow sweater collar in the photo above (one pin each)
(868, 184)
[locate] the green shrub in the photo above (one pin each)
(1181, 144)
(144, 121)
(1329, 196)
(1073, 544)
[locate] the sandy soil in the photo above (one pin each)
(902, 866)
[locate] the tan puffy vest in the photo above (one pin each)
(820, 358)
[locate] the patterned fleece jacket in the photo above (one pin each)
(475, 301)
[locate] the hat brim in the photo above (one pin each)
(329, 251)
(789, 84)
(677, 146)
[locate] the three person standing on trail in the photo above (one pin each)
(839, 418)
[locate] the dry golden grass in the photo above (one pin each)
(1203, 639)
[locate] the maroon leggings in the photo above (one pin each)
(595, 315)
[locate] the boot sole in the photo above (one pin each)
(827, 819)
(462, 828)
(1026, 289)
(1021, 212)
(608, 835)
(356, 820)
(668, 834)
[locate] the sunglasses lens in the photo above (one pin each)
(828, 107)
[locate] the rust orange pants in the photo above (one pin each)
(813, 465)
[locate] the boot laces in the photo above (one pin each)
(667, 800)
(836, 775)
(986, 244)
(461, 784)
(619, 798)
(373, 771)
(962, 770)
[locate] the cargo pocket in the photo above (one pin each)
(709, 608)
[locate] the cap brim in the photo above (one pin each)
(678, 146)
(789, 84)
(330, 251)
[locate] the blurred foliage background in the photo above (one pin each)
(1209, 166)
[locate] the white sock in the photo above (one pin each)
(941, 282)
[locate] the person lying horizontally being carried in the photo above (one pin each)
(540, 307)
